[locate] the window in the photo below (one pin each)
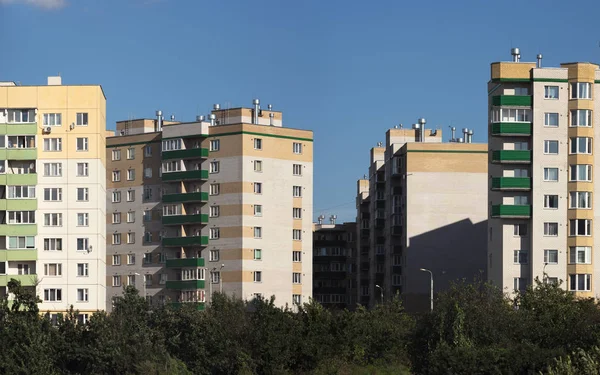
(581, 172)
(147, 258)
(214, 166)
(511, 115)
(131, 217)
(214, 233)
(148, 279)
(550, 174)
(130, 174)
(53, 269)
(215, 277)
(521, 91)
(297, 169)
(214, 211)
(297, 148)
(396, 279)
(53, 220)
(520, 257)
(52, 244)
(52, 194)
(171, 166)
(257, 210)
(257, 166)
(581, 145)
(83, 244)
(23, 269)
(296, 256)
(213, 255)
(257, 232)
(521, 200)
(147, 215)
(257, 144)
(130, 153)
(258, 188)
(116, 176)
(53, 295)
(297, 191)
(82, 295)
(21, 217)
(172, 209)
(580, 282)
(82, 119)
(520, 284)
(82, 144)
(116, 238)
(551, 201)
(551, 119)
(131, 280)
(580, 199)
(116, 281)
(83, 219)
(116, 218)
(83, 171)
(116, 155)
(550, 229)
(580, 255)
(21, 242)
(148, 151)
(581, 90)
(521, 145)
(82, 194)
(580, 227)
(53, 144)
(130, 195)
(296, 278)
(551, 256)
(581, 117)
(147, 193)
(297, 299)
(83, 269)
(21, 115)
(297, 234)
(257, 254)
(52, 119)
(257, 276)
(130, 238)
(171, 144)
(214, 189)
(297, 213)
(551, 147)
(215, 144)
(53, 169)
(130, 259)
(147, 237)
(148, 172)
(116, 196)
(116, 260)
(551, 92)
(21, 192)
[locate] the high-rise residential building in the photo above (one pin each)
(223, 204)
(422, 206)
(52, 188)
(541, 213)
(334, 263)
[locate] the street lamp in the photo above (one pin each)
(143, 284)
(221, 278)
(380, 288)
(431, 285)
(544, 276)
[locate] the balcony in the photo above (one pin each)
(185, 197)
(185, 241)
(19, 129)
(26, 280)
(185, 219)
(15, 255)
(511, 156)
(18, 229)
(185, 284)
(185, 262)
(185, 175)
(511, 211)
(190, 153)
(18, 179)
(511, 183)
(512, 100)
(196, 305)
(517, 129)
(18, 204)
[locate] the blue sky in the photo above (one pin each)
(349, 70)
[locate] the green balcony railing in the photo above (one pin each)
(21, 254)
(18, 179)
(185, 219)
(511, 129)
(512, 100)
(185, 262)
(511, 156)
(18, 204)
(190, 153)
(185, 241)
(19, 129)
(185, 197)
(21, 154)
(185, 284)
(18, 229)
(196, 305)
(26, 280)
(511, 183)
(185, 175)
(511, 211)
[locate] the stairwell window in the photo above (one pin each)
(296, 278)
(580, 282)
(581, 172)
(214, 233)
(297, 191)
(116, 218)
(257, 166)
(215, 145)
(257, 276)
(551, 174)
(581, 117)
(551, 147)
(297, 234)
(116, 196)
(297, 213)
(257, 254)
(551, 229)
(580, 255)
(551, 201)
(258, 188)
(580, 199)
(581, 145)
(297, 148)
(214, 189)
(257, 143)
(550, 92)
(580, 227)
(520, 257)
(551, 256)
(215, 166)
(257, 232)
(581, 90)
(214, 211)
(258, 210)
(297, 169)
(551, 119)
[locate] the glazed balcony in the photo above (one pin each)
(185, 284)
(513, 129)
(185, 241)
(512, 100)
(185, 262)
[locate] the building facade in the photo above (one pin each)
(227, 206)
(541, 211)
(53, 188)
(423, 206)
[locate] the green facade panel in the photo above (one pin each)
(511, 183)
(185, 241)
(511, 211)
(14, 255)
(511, 128)
(190, 153)
(19, 129)
(185, 197)
(18, 179)
(185, 262)
(21, 154)
(185, 175)
(185, 284)
(18, 229)
(185, 219)
(18, 204)
(512, 100)
(511, 156)
(26, 280)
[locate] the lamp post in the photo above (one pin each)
(544, 276)
(431, 285)
(380, 288)
(143, 284)
(221, 278)
(210, 283)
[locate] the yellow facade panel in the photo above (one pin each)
(297, 245)
(297, 267)
(514, 70)
(580, 241)
(22, 97)
(580, 214)
(53, 97)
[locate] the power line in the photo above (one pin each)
(330, 208)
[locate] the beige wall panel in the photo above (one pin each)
(22, 97)
(580, 241)
(580, 214)
(581, 131)
(447, 162)
(581, 104)
(581, 159)
(511, 70)
(297, 267)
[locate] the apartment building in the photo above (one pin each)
(52, 193)
(422, 206)
(226, 204)
(541, 212)
(334, 263)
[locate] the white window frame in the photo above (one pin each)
(296, 278)
(297, 213)
(574, 226)
(257, 276)
(297, 148)
(297, 191)
(520, 257)
(548, 92)
(213, 255)
(257, 254)
(550, 116)
(550, 198)
(83, 170)
(52, 194)
(549, 229)
(214, 211)
(214, 166)
(116, 218)
(258, 232)
(580, 172)
(258, 166)
(547, 148)
(84, 146)
(296, 256)
(83, 269)
(549, 255)
(83, 219)
(52, 119)
(214, 189)
(215, 144)
(581, 90)
(53, 144)
(258, 188)
(258, 144)
(297, 234)
(214, 233)
(576, 279)
(581, 118)
(547, 171)
(82, 119)
(576, 251)
(297, 169)
(576, 144)
(130, 153)
(85, 194)
(577, 197)
(116, 238)
(258, 210)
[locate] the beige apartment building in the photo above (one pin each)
(225, 204)
(541, 211)
(52, 193)
(423, 206)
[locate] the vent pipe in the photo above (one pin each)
(460, 140)
(172, 117)
(271, 115)
(422, 122)
(158, 121)
(516, 54)
(256, 104)
(417, 128)
(217, 107)
(539, 60)
(465, 134)
(212, 119)
(320, 219)
(332, 219)
(200, 118)
(453, 130)
(270, 107)
(470, 136)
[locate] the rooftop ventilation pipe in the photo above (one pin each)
(256, 104)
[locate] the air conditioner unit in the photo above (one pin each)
(48, 129)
